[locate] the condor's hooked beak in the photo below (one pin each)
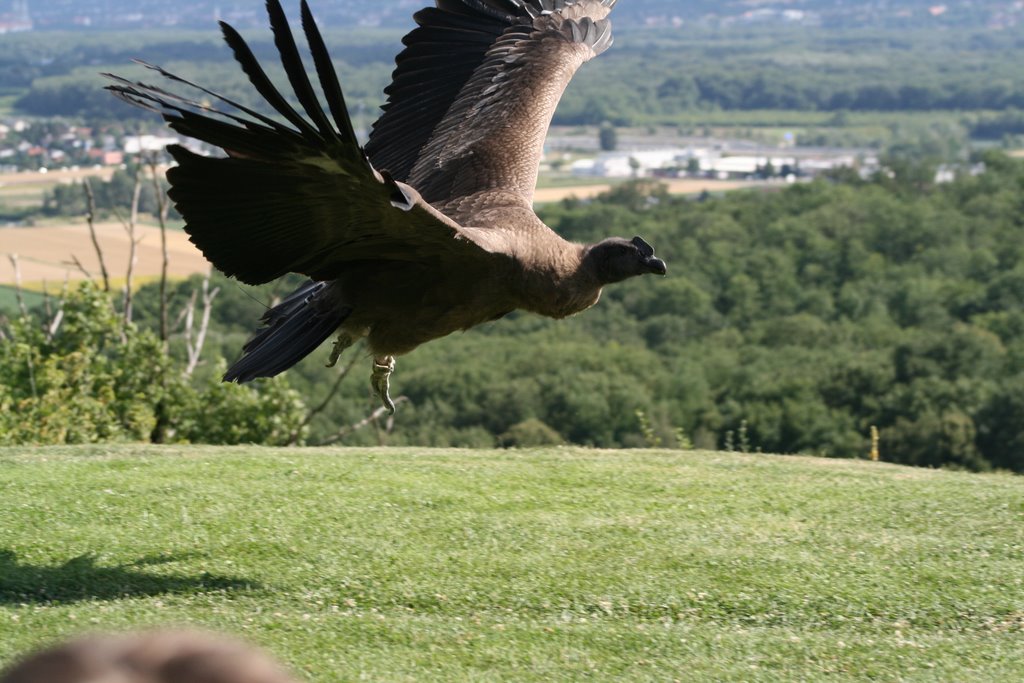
(654, 265)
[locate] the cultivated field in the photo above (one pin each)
(26, 189)
(61, 175)
(45, 254)
(537, 565)
(680, 186)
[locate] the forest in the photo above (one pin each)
(650, 77)
(792, 321)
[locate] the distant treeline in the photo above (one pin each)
(999, 126)
(650, 76)
(651, 79)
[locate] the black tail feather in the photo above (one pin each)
(293, 329)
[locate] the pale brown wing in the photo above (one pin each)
(486, 125)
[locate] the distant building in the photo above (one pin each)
(135, 144)
(18, 19)
(107, 157)
(717, 163)
(640, 163)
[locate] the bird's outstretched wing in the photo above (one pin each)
(295, 196)
(474, 91)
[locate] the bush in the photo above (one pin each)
(530, 433)
(98, 379)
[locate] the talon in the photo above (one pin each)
(343, 341)
(381, 381)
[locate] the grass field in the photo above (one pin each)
(28, 188)
(9, 298)
(549, 565)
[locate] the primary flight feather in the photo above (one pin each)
(430, 227)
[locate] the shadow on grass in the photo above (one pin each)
(80, 578)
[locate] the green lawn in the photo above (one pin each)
(545, 565)
(9, 298)
(7, 104)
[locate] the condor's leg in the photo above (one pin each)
(381, 380)
(343, 341)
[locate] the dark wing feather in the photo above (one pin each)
(252, 69)
(327, 75)
(296, 71)
(439, 58)
(302, 199)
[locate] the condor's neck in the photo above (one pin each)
(563, 286)
(552, 275)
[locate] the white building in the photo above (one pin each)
(743, 166)
(715, 163)
(134, 144)
(630, 164)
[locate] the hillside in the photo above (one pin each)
(537, 565)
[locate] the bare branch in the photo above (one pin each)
(133, 218)
(371, 418)
(58, 317)
(17, 284)
(195, 350)
(163, 207)
(184, 313)
(51, 329)
(24, 312)
(90, 217)
(81, 268)
(294, 438)
(189, 314)
(47, 308)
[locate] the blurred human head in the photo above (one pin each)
(150, 657)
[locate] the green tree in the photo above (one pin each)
(608, 137)
(89, 377)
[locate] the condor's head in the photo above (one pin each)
(616, 259)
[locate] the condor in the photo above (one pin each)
(427, 230)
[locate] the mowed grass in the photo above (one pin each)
(538, 565)
(24, 196)
(9, 299)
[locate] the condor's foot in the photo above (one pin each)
(343, 341)
(381, 380)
